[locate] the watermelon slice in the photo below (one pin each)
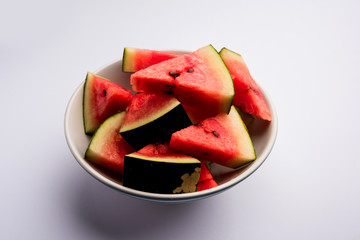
(102, 99)
(158, 169)
(223, 139)
(152, 118)
(107, 148)
(199, 79)
(247, 93)
(206, 180)
(135, 59)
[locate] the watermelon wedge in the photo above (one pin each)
(102, 99)
(107, 148)
(247, 93)
(199, 79)
(222, 139)
(206, 180)
(156, 168)
(152, 118)
(135, 59)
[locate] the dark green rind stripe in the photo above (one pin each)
(156, 177)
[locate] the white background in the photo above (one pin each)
(306, 54)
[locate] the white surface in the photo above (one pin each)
(306, 54)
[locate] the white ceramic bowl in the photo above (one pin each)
(263, 135)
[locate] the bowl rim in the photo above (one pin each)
(170, 197)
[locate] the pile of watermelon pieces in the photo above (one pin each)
(188, 111)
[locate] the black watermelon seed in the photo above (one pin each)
(174, 73)
(104, 92)
(215, 133)
(253, 90)
(190, 70)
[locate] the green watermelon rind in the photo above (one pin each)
(238, 54)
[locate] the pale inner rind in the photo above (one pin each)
(241, 135)
(162, 158)
(104, 130)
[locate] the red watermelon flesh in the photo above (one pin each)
(161, 149)
(155, 149)
(198, 79)
(206, 180)
(102, 99)
(198, 114)
(247, 93)
(223, 139)
(135, 59)
(207, 184)
(152, 118)
(107, 148)
(205, 172)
